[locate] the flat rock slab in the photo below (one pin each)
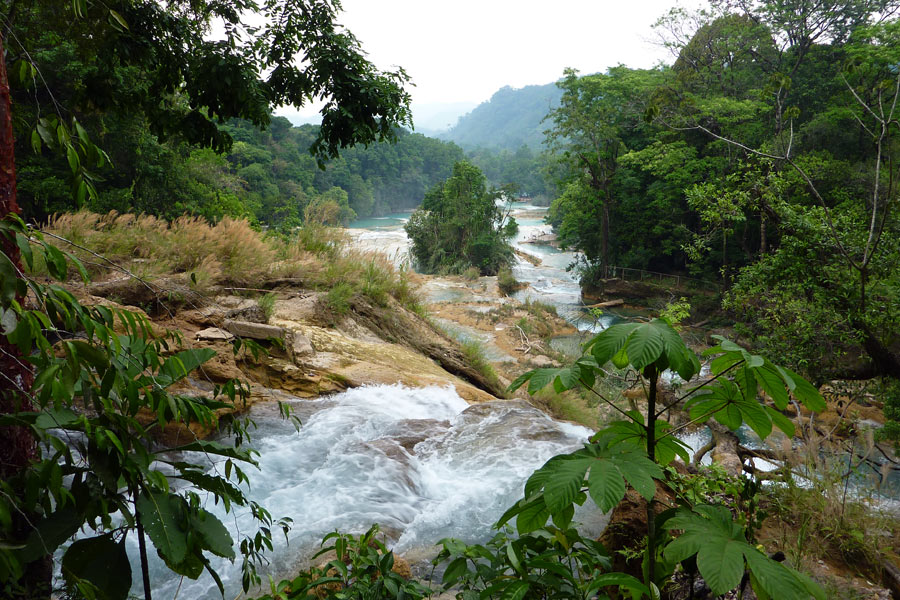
(539, 360)
(300, 345)
(214, 334)
(256, 331)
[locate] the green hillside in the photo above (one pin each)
(510, 119)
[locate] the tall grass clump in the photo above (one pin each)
(474, 353)
(829, 511)
(471, 274)
(321, 240)
(230, 250)
(369, 274)
(506, 281)
(267, 305)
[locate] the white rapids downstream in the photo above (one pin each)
(422, 463)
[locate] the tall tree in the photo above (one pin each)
(595, 113)
(461, 225)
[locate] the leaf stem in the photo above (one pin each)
(691, 391)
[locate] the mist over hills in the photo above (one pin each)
(510, 119)
(429, 118)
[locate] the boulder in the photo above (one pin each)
(214, 334)
(541, 361)
(300, 345)
(252, 313)
(256, 331)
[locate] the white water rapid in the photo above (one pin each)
(420, 462)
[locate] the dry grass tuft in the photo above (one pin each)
(231, 252)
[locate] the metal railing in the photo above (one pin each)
(678, 281)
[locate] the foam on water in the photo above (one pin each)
(420, 462)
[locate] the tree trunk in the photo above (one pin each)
(604, 250)
(763, 241)
(651, 373)
(18, 447)
(885, 361)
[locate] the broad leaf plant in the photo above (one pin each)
(744, 388)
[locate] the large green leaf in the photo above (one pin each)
(520, 381)
(603, 468)
(50, 532)
(771, 382)
(161, 514)
(605, 485)
(215, 537)
(101, 562)
(541, 378)
(806, 393)
(644, 346)
(710, 533)
(565, 481)
(781, 422)
(776, 579)
(754, 415)
(607, 343)
(721, 562)
(533, 515)
(676, 355)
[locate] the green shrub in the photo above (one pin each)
(338, 298)
(460, 225)
(267, 305)
(506, 281)
(362, 568)
(474, 353)
(471, 274)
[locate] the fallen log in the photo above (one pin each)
(607, 304)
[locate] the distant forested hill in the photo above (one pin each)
(510, 119)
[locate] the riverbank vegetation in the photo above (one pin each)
(190, 256)
(461, 225)
(765, 158)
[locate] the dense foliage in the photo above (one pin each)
(524, 168)
(155, 157)
(461, 225)
(91, 385)
(142, 72)
(268, 176)
(99, 405)
(765, 157)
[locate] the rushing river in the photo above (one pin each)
(422, 463)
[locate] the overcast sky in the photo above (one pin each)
(465, 50)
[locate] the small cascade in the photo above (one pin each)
(422, 463)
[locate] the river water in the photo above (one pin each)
(420, 462)
(551, 281)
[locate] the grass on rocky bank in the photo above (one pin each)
(229, 253)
